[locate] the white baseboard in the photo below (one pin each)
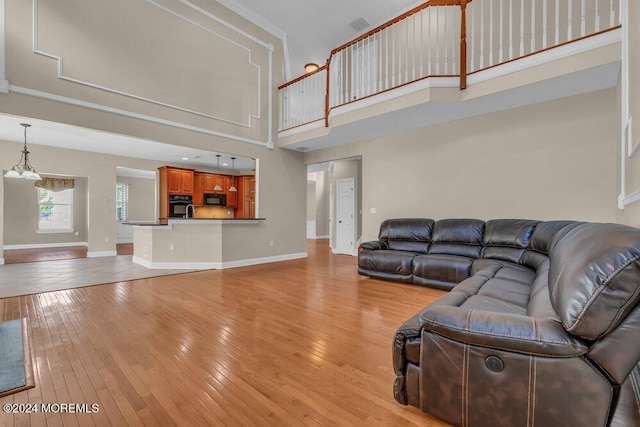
(118, 241)
(215, 265)
(44, 245)
(1, 261)
(101, 254)
(319, 237)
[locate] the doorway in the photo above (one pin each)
(334, 203)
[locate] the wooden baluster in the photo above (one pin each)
(413, 67)
(557, 33)
(393, 56)
(437, 40)
(429, 41)
(583, 19)
(522, 27)
(570, 23)
(544, 24)
(327, 93)
(510, 29)
(533, 25)
(406, 51)
(454, 40)
(501, 44)
(472, 66)
(481, 36)
(490, 62)
(421, 42)
(444, 42)
(386, 58)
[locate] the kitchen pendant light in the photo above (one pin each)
(217, 187)
(233, 164)
(23, 168)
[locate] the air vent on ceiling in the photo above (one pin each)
(360, 24)
(303, 148)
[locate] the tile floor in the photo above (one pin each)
(45, 276)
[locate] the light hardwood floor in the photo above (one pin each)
(304, 342)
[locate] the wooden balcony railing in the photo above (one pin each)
(440, 38)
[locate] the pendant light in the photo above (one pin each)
(233, 164)
(23, 168)
(217, 187)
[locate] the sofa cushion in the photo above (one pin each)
(544, 237)
(594, 277)
(442, 268)
(407, 234)
(506, 239)
(457, 236)
(396, 262)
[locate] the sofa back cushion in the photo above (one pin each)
(407, 234)
(594, 277)
(544, 237)
(506, 239)
(457, 236)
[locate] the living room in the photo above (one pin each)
(557, 159)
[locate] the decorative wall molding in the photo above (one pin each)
(4, 84)
(6, 87)
(104, 108)
(141, 98)
(265, 24)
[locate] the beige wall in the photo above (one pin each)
(188, 74)
(631, 213)
(22, 213)
(547, 161)
(141, 199)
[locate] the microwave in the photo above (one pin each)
(211, 199)
(178, 205)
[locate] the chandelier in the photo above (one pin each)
(23, 168)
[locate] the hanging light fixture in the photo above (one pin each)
(217, 187)
(23, 168)
(233, 164)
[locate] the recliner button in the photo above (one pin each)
(494, 363)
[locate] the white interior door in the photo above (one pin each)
(345, 210)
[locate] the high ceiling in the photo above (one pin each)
(314, 28)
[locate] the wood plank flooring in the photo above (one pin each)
(304, 342)
(17, 256)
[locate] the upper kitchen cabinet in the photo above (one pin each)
(178, 180)
(232, 196)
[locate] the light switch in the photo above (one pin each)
(374, 211)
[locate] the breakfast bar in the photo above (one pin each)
(194, 243)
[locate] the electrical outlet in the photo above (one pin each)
(106, 240)
(374, 211)
(270, 242)
(171, 246)
(146, 251)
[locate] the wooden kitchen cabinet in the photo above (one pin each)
(246, 196)
(198, 188)
(173, 181)
(232, 196)
(178, 181)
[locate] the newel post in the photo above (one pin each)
(463, 45)
(326, 97)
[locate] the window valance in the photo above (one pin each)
(55, 184)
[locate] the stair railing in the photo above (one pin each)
(440, 38)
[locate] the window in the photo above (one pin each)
(121, 202)
(56, 210)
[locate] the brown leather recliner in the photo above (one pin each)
(537, 336)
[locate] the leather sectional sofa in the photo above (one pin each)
(541, 326)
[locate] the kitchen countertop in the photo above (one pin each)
(194, 220)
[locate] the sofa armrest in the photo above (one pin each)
(374, 245)
(504, 331)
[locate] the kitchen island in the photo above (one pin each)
(196, 243)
